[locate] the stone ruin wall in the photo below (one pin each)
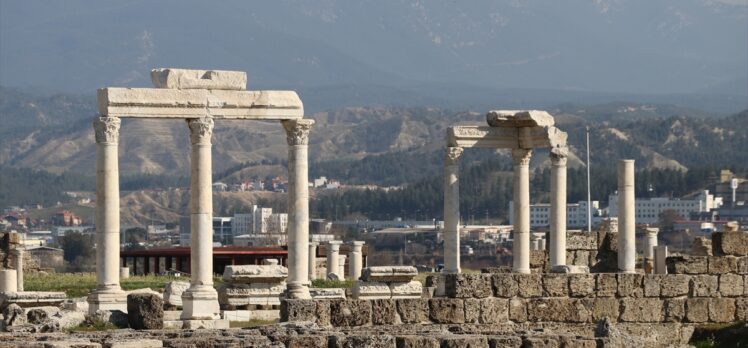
(10, 241)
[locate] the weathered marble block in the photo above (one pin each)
(245, 285)
(411, 289)
(371, 290)
(327, 293)
(198, 79)
(730, 243)
(173, 293)
(255, 274)
(389, 273)
(31, 299)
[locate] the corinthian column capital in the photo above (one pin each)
(107, 129)
(559, 155)
(452, 156)
(201, 130)
(297, 131)
(521, 156)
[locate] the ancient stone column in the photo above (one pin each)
(521, 246)
(18, 265)
(452, 210)
(297, 136)
(8, 280)
(313, 260)
(108, 294)
(200, 300)
(333, 251)
(660, 256)
(356, 260)
(341, 266)
(650, 242)
(558, 207)
(626, 217)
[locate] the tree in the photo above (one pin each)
(78, 251)
(668, 219)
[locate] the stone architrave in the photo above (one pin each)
(313, 260)
(355, 260)
(297, 137)
(519, 118)
(18, 265)
(452, 210)
(108, 294)
(200, 300)
(626, 217)
(521, 244)
(333, 261)
(558, 206)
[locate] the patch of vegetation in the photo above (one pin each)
(326, 284)
(251, 323)
(720, 335)
(80, 284)
(95, 326)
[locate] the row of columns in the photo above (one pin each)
(336, 262)
(200, 301)
(521, 245)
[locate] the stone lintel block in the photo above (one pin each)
(371, 290)
(697, 310)
(687, 264)
(197, 103)
(641, 310)
(298, 310)
(519, 118)
(630, 285)
(504, 285)
(465, 285)
(581, 285)
(389, 273)
(581, 241)
(730, 243)
(723, 264)
(347, 313)
(413, 311)
(675, 310)
(554, 309)
(384, 312)
(198, 79)
(447, 310)
(517, 310)
(722, 310)
(652, 284)
(494, 310)
(674, 285)
(704, 285)
(327, 293)
(606, 284)
(31, 298)
(555, 285)
(268, 274)
(411, 289)
(482, 137)
(731, 284)
(529, 285)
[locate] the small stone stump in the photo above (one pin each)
(145, 311)
(387, 282)
(252, 285)
(173, 294)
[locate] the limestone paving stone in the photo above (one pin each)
(638, 310)
(730, 243)
(651, 283)
(674, 285)
(704, 285)
(504, 285)
(675, 310)
(581, 285)
(606, 284)
(384, 312)
(731, 285)
(722, 310)
(529, 285)
(350, 313)
(413, 311)
(723, 264)
(463, 285)
(630, 285)
(447, 310)
(555, 285)
(697, 310)
(145, 311)
(493, 310)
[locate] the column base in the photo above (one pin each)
(205, 324)
(297, 291)
(107, 299)
(200, 303)
(521, 270)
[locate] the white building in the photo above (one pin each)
(222, 231)
(648, 210)
(576, 214)
(256, 221)
(278, 223)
